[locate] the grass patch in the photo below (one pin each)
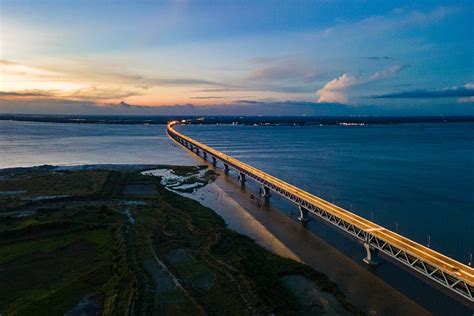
(48, 183)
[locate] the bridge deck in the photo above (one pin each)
(430, 256)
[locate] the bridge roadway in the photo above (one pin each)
(445, 271)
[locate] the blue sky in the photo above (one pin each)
(395, 57)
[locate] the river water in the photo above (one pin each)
(30, 143)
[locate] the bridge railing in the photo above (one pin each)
(446, 271)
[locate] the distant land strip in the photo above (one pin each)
(241, 120)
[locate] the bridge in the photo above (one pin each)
(451, 274)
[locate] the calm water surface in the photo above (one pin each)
(30, 144)
(416, 179)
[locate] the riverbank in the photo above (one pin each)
(143, 249)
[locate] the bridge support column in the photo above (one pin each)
(303, 218)
(265, 192)
(204, 155)
(214, 161)
(242, 178)
(226, 168)
(371, 253)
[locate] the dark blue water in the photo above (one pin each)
(417, 179)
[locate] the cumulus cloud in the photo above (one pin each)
(336, 90)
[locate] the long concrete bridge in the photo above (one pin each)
(453, 275)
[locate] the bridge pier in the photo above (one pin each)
(303, 218)
(226, 168)
(204, 155)
(214, 161)
(197, 150)
(242, 178)
(265, 192)
(371, 253)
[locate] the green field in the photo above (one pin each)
(118, 243)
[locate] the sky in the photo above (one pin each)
(325, 57)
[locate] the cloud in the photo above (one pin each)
(379, 24)
(466, 100)
(25, 93)
(336, 89)
(238, 107)
(262, 86)
(11, 68)
(387, 73)
(88, 82)
(93, 93)
(180, 82)
(278, 69)
(125, 104)
(377, 58)
(284, 71)
(248, 102)
(465, 91)
(208, 97)
(259, 107)
(86, 76)
(7, 62)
